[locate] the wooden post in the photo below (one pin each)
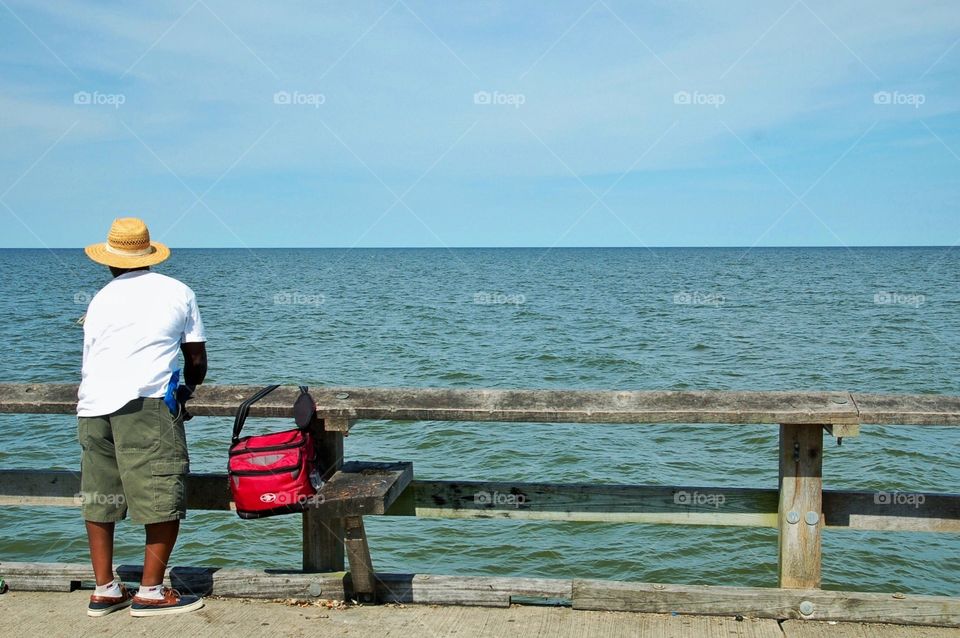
(361, 567)
(323, 538)
(800, 514)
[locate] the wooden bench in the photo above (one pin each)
(358, 489)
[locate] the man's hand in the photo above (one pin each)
(184, 394)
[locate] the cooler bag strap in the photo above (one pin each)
(244, 409)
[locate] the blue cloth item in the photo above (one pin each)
(170, 398)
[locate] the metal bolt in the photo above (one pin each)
(840, 401)
(812, 518)
(343, 395)
(315, 589)
(793, 517)
(659, 586)
(806, 608)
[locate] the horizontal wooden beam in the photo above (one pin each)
(683, 505)
(483, 591)
(428, 589)
(247, 583)
(277, 583)
(359, 488)
(908, 409)
(760, 602)
(343, 405)
(679, 505)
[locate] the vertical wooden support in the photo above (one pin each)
(801, 505)
(361, 567)
(323, 538)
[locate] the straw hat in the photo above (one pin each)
(128, 245)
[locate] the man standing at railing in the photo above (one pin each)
(131, 412)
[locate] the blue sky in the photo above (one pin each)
(404, 123)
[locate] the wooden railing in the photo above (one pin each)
(798, 506)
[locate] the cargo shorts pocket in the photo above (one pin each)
(169, 480)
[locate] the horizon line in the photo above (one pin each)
(739, 247)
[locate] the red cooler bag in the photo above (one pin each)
(276, 473)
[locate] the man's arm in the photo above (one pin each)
(194, 363)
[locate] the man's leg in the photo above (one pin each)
(161, 538)
(153, 460)
(100, 537)
(101, 492)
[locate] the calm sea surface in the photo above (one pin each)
(875, 320)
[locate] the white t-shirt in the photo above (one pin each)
(131, 339)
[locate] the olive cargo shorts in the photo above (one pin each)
(134, 459)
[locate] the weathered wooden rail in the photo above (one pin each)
(798, 506)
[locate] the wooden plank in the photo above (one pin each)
(248, 583)
(335, 423)
(252, 583)
(359, 488)
(752, 602)
(323, 537)
(45, 576)
(457, 404)
(892, 510)
(482, 591)
(908, 409)
(363, 488)
(362, 579)
(835, 629)
(862, 510)
(61, 488)
(343, 405)
(843, 430)
(270, 583)
(684, 505)
(801, 505)
(759, 602)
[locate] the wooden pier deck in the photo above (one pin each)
(52, 615)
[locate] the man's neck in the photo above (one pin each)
(116, 272)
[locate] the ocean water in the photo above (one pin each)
(863, 319)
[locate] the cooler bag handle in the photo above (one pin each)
(304, 409)
(244, 409)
